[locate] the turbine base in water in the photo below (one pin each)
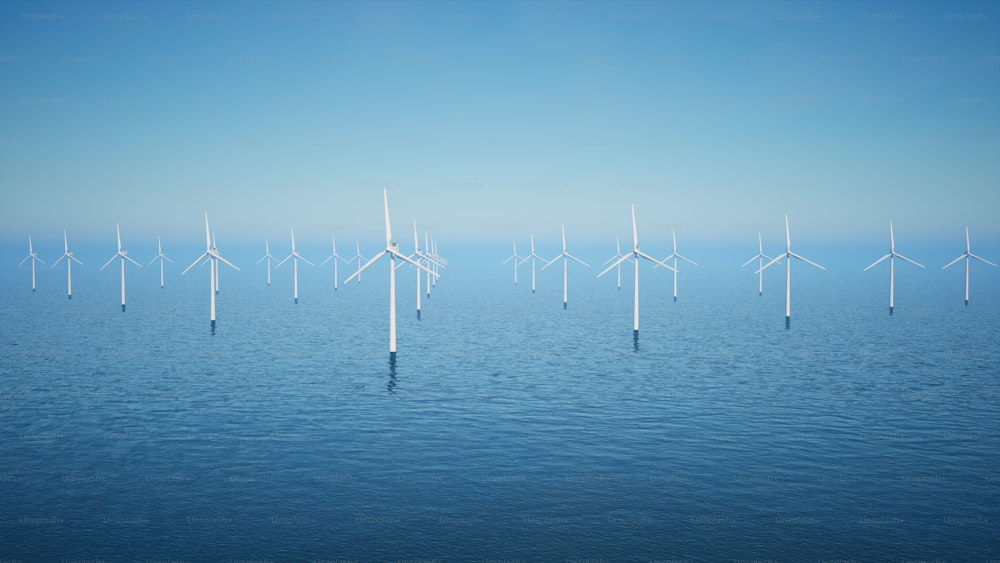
(564, 304)
(788, 323)
(296, 300)
(70, 297)
(890, 311)
(123, 307)
(418, 314)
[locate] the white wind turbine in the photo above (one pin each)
(161, 257)
(760, 257)
(335, 257)
(123, 254)
(566, 256)
(212, 255)
(392, 250)
(675, 256)
(517, 261)
(967, 255)
(34, 258)
(418, 256)
(618, 254)
(533, 257)
(295, 256)
(267, 256)
(788, 255)
(69, 266)
(359, 258)
(635, 254)
(892, 266)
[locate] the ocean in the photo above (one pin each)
(508, 429)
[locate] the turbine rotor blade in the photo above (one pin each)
(654, 260)
(369, 263)
(195, 263)
(876, 262)
(966, 255)
(971, 255)
(619, 261)
(806, 260)
(908, 260)
(108, 263)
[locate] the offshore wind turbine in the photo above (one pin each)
(159, 256)
(892, 266)
(675, 256)
(69, 266)
(517, 261)
(359, 258)
(33, 256)
(967, 255)
(760, 257)
(212, 255)
(392, 250)
(418, 256)
(295, 256)
(566, 256)
(788, 255)
(267, 256)
(335, 257)
(635, 254)
(533, 257)
(618, 254)
(123, 254)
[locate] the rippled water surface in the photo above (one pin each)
(509, 428)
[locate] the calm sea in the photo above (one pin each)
(509, 428)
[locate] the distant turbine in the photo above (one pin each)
(123, 254)
(892, 266)
(69, 265)
(295, 256)
(968, 254)
(392, 250)
(212, 255)
(359, 258)
(267, 256)
(675, 256)
(335, 257)
(618, 254)
(161, 257)
(635, 254)
(533, 257)
(517, 261)
(427, 247)
(34, 258)
(419, 256)
(760, 257)
(788, 255)
(566, 256)
(438, 262)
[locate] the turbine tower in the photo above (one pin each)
(359, 258)
(533, 257)
(69, 266)
(635, 254)
(391, 250)
(161, 257)
(34, 258)
(334, 257)
(211, 255)
(788, 255)
(123, 254)
(675, 256)
(618, 254)
(892, 266)
(967, 255)
(295, 256)
(760, 257)
(566, 256)
(267, 256)
(517, 261)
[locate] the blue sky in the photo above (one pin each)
(490, 121)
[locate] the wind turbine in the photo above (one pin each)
(675, 256)
(295, 256)
(517, 261)
(968, 254)
(69, 266)
(123, 254)
(212, 255)
(417, 256)
(760, 257)
(161, 257)
(533, 257)
(566, 256)
(267, 256)
(788, 255)
(618, 254)
(34, 258)
(892, 266)
(392, 250)
(359, 258)
(635, 254)
(336, 257)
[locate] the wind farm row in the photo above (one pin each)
(428, 264)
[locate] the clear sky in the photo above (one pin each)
(493, 120)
